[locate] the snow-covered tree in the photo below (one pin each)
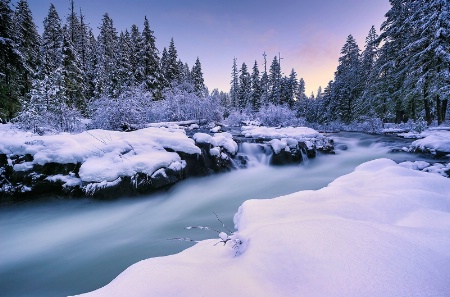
(347, 82)
(196, 76)
(245, 88)
(150, 59)
(27, 40)
(275, 82)
(52, 40)
(256, 88)
(427, 56)
(106, 71)
(234, 90)
(10, 62)
(73, 85)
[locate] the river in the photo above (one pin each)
(59, 247)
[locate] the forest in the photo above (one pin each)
(69, 80)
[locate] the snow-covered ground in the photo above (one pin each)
(287, 136)
(105, 155)
(382, 230)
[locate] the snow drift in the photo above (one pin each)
(382, 230)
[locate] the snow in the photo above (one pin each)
(105, 155)
(283, 144)
(382, 230)
(438, 168)
(68, 181)
(223, 139)
(298, 133)
(309, 136)
(434, 140)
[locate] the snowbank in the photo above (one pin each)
(104, 156)
(298, 133)
(436, 140)
(223, 140)
(382, 230)
(310, 137)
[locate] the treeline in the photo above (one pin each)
(403, 73)
(62, 72)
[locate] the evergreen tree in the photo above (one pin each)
(10, 62)
(427, 56)
(347, 83)
(256, 88)
(301, 98)
(172, 72)
(197, 79)
(136, 64)
(291, 89)
(164, 66)
(369, 55)
(275, 82)
(72, 75)
(265, 83)
(234, 90)
(388, 73)
(91, 62)
(52, 40)
(27, 40)
(106, 72)
(245, 91)
(150, 59)
(125, 74)
(73, 25)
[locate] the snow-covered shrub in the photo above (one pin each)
(277, 115)
(128, 110)
(180, 104)
(237, 118)
(43, 121)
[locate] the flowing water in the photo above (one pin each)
(60, 247)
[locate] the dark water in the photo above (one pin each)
(64, 247)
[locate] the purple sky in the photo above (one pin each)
(308, 33)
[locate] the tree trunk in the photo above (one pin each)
(438, 110)
(426, 104)
(444, 104)
(428, 117)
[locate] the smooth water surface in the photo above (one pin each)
(62, 247)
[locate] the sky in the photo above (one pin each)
(308, 34)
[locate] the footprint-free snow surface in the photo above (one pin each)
(383, 230)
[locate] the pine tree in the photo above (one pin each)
(265, 83)
(91, 62)
(106, 72)
(245, 88)
(10, 62)
(125, 74)
(291, 89)
(388, 74)
(136, 62)
(234, 90)
(72, 75)
(427, 56)
(369, 55)
(275, 82)
(170, 68)
(164, 66)
(256, 88)
(347, 83)
(27, 40)
(150, 59)
(52, 40)
(197, 78)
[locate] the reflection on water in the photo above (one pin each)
(62, 247)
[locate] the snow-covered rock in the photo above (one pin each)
(93, 160)
(436, 142)
(382, 230)
(290, 144)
